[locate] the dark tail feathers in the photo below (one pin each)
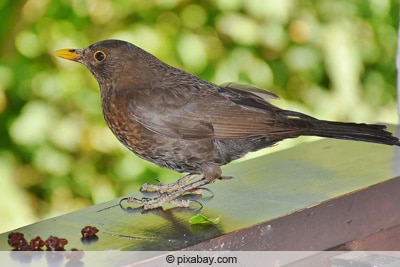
(373, 133)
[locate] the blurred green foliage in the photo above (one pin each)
(332, 59)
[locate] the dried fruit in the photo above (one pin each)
(89, 231)
(36, 243)
(18, 241)
(54, 243)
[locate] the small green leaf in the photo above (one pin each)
(202, 219)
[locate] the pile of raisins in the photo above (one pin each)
(19, 243)
(53, 243)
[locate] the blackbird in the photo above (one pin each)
(182, 122)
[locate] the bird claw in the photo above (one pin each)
(150, 188)
(167, 188)
(158, 202)
(170, 193)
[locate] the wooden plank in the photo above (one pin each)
(264, 189)
(383, 240)
(325, 225)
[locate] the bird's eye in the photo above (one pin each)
(99, 55)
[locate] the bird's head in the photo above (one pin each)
(109, 60)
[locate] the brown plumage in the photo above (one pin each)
(180, 121)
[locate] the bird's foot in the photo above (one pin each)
(167, 188)
(172, 194)
(158, 202)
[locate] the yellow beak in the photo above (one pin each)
(70, 54)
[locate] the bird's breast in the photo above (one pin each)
(123, 125)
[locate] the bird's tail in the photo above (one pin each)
(373, 133)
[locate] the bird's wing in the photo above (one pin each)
(262, 93)
(223, 113)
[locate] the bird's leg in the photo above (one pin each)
(170, 196)
(171, 193)
(171, 187)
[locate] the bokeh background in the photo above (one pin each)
(334, 59)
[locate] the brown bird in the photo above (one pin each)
(182, 122)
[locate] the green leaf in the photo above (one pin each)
(203, 219)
